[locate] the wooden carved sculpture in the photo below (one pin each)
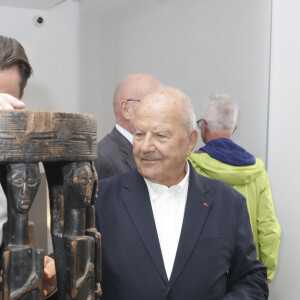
(78, 186)
(90, 230)
(22, 182)
(66, 144)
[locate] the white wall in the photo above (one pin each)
(201, 47)
(53, 51)
(284, 143)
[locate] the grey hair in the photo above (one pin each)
(220, 112)
(188, 114)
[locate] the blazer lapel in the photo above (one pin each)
(137, 202)
(125, 146)
(129, 159)
(197, 209)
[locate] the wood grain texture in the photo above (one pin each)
(33, 136)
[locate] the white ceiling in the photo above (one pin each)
(35, 4)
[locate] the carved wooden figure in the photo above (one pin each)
(90, 230)
(22, 182)
(78, 186)
(66, 144)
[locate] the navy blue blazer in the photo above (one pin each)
(216, 257)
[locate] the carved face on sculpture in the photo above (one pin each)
(23, 180)
(81, 183)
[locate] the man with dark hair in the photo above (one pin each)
(14, 64)
(14, 73)
(15, 70)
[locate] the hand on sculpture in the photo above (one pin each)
(8, 102)
(50, 283)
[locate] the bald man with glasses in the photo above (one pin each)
(115, 149)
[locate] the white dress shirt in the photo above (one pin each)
(126, 133)
(168, 205)
(3, 212)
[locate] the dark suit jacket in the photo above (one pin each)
(114, 155)
(216, 256)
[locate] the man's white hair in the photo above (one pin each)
(220, 112)
(188, 113)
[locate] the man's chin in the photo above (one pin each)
(148, 174)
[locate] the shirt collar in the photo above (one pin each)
(155, 189)
(126, 133)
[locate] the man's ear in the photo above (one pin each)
(125, 109)
(193, 138)
(205, 132)
(234, 129)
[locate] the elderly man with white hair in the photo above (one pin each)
(168, 232)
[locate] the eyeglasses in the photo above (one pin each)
(135, 100)
(199, 122)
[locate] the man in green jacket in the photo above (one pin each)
(226, 161)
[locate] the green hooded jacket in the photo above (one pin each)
(252, 181)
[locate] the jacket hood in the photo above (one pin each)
(228, 152)
(232, 175)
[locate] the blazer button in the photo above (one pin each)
(169, 297)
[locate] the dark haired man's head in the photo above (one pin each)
(14, 67)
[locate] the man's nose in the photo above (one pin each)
(148, 144)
